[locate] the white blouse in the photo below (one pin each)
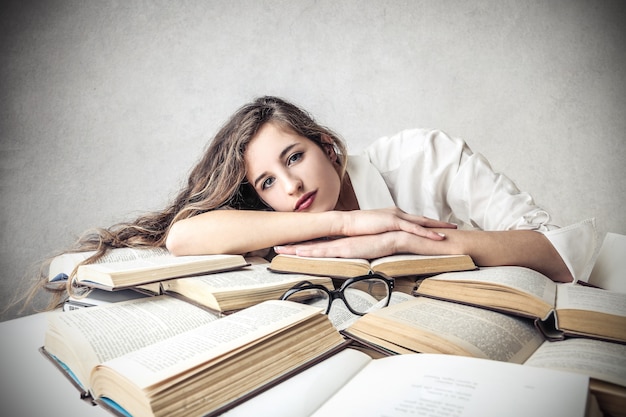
(429, 173)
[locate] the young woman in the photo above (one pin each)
(275, 180)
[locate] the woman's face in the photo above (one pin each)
(291, 172)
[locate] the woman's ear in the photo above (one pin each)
(329, 148)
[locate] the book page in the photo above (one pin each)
(578, 297)
(602, 360)
(305, 392)
(167, 358)
(484, 333)
(150, 262)
(323, 260)
(522, 279)
(609, 269)
(130, 254)
(408, 257)
(250, 277)
(331, 267)
(105, 332)
(115, 329)
(65, 263)
(452, 386)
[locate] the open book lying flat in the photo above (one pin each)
(131, 267)
(560, 309)
(425, 325)
(393, 266)
(229, 291)
(350, 383)
(221, 291)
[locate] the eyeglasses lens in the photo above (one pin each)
(311, 296)
(367, 295)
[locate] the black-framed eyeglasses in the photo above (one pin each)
(360, 294)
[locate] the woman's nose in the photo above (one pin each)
(292, 185)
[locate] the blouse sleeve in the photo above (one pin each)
(491, 201)
(433, 174)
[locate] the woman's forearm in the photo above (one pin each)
(515, 247)
(240, 231)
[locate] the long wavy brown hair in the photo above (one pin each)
(218, 180)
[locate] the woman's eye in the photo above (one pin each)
(294, 158)
(267, 183)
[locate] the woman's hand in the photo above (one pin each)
(365, 246)
(228, 231)
(526, 248)
(373, 222)
(372, 234)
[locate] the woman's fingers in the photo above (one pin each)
(423, 220)
(421, 225)
(367, 222)
(421, 231)
(367, 246)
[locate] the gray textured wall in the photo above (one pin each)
(105, 105)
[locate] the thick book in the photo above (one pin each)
(132, 267)
(161, 356)
(230, 291)
(425, 325)
(560, 309)
(393, 266)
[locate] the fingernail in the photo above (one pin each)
(441, 234)
(278, 248)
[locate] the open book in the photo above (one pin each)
(132, 267)
(160, 356)
(562, 309)
(434, 326)
(234, 290)
(223, 292)
(441, 385)
(393, 266)
(351, 383)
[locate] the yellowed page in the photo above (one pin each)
(522, 279)
(66, 262)
(170, 357)
(98, 334)
(154, 268)
(253, 276)
(407, 257)
(484, 333)
(577, 297)
(599, 359)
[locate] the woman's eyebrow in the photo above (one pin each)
(282, 155)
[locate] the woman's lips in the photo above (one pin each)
(305, 201)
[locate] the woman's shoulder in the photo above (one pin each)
(416, 142)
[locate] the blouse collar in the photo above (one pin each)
(369, 186)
